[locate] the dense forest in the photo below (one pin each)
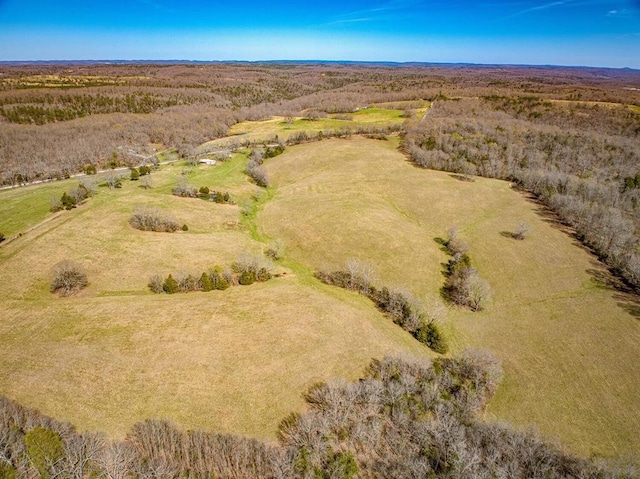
(54, 120)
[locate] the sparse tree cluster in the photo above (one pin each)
(246, 270)
(153, 219)
(70, 199)
(255, 170)
(406, 311)
(463, 285)
(212, 195)
(184, 189)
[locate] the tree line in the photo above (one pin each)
(111, 106)
(569, 164)
(406, 417)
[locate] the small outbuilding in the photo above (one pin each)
(207, 161)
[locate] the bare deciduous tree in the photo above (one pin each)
(521, 230)
(68, 278)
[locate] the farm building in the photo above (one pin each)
(207, 161)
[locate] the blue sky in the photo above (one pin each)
(561, 32)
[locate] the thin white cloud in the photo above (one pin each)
(619, 13)
(546, 6)
(564, 3)
(375, 13)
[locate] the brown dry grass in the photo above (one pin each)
(231, 361)
(569, 343)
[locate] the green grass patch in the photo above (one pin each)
(24, 207)
(281, 128)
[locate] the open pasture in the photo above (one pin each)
(567, 340)
(232, 361)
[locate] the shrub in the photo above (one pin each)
(259, 175)
(68, 278)
(114, 180)
(135, 174)
(55, 204)
(185, 190)
(153, 219)
(90, 170)
(79, 193)
(156, 284)
(67, 201)
(274, 251)
(274, 151)
(219, 279)
(206, 283)
(2, 237)
(521, 230)
(146, 182)
(221, 196)
(170, 285)
(246, 278)
(454, 244)
(185, 227)
(204, 191)
(430, 334)
(144, 170)
(187, 283)
(251, 268)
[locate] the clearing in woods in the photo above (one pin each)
(239, 360)
(567, 341)
(232, 361)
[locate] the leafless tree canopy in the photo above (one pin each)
(405, 418)
(68, 278)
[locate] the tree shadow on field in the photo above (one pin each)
(626, 295)
(464, 178)
(510, 234)
(632, 309)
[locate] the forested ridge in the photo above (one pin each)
(567, 137)
(58, 118)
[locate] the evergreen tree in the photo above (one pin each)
(68, 202)
(207, 284)
(170, 285)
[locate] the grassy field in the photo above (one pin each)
(26, 206)
(232, 361)
(280, 128)
(568, 342)
(238, 360)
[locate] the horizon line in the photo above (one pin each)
(310, 61)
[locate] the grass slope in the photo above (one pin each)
(281, 128)
(233, 361)
(568, 342)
